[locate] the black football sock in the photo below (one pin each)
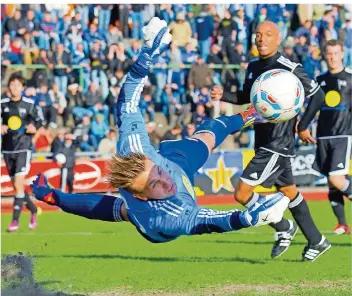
(29, 204)
(338, 205)
(283, 225)
(300, 212)
(17, 207)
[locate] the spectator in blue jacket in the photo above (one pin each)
(80, 59)
(74, 37)
(32, 24)
(304, 30)
(348, 43)
(104, 16)
(191, 19)
(199, 115)
(137, 20)
(82, 134)
(160, 75)
(146, 106)
(82, 15)
(92, 35)
(171, 106)
(62, 58)
(134, 50)
(175, 74)
(98, 130)
(167, 14)
(312, 64)
(281, 16)
(242, 23)
(179, 8)
(314, 36)
(301, 48)
(47, 34)
(331, 28)
(44, 101)
(189, 57)
(63, 27)
(202, 96)
(205, 30)
(98, 60)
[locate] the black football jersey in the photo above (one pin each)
(335, 115)
(17, 115)
(277, 137)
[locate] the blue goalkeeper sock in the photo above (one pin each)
(237, 221)
(91, 206)
(221, 127)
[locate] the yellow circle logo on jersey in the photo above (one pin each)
(332, 98)
(14, 123)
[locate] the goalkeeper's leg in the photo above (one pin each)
(92, 206)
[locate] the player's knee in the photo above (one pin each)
(336, 181)
(19, 183)
(243, 192)
(207, 138)
(289, 191)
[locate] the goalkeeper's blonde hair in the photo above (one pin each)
(123, 169)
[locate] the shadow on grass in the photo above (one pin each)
(349, 245)
(44, 283)
(158, 259)
(292, 260)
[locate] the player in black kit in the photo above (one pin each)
(334, 134)
(274, 146)
(20, 120)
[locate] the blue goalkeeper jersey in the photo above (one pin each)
(166, 219)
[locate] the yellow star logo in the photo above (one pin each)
(221, 176)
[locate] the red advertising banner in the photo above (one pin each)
(89, 175)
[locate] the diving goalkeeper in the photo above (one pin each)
(156, 188)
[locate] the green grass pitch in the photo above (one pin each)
(73, 254)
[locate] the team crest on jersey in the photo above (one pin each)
(341, 83)
(23, 111)
(6, 109)
(188, 186)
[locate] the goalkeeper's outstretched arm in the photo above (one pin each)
(91, 206)
(133, 136)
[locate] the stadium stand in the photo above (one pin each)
(75, 56)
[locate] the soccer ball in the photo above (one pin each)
(60, 158)
(277, 95)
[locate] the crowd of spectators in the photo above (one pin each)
(87, 49)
